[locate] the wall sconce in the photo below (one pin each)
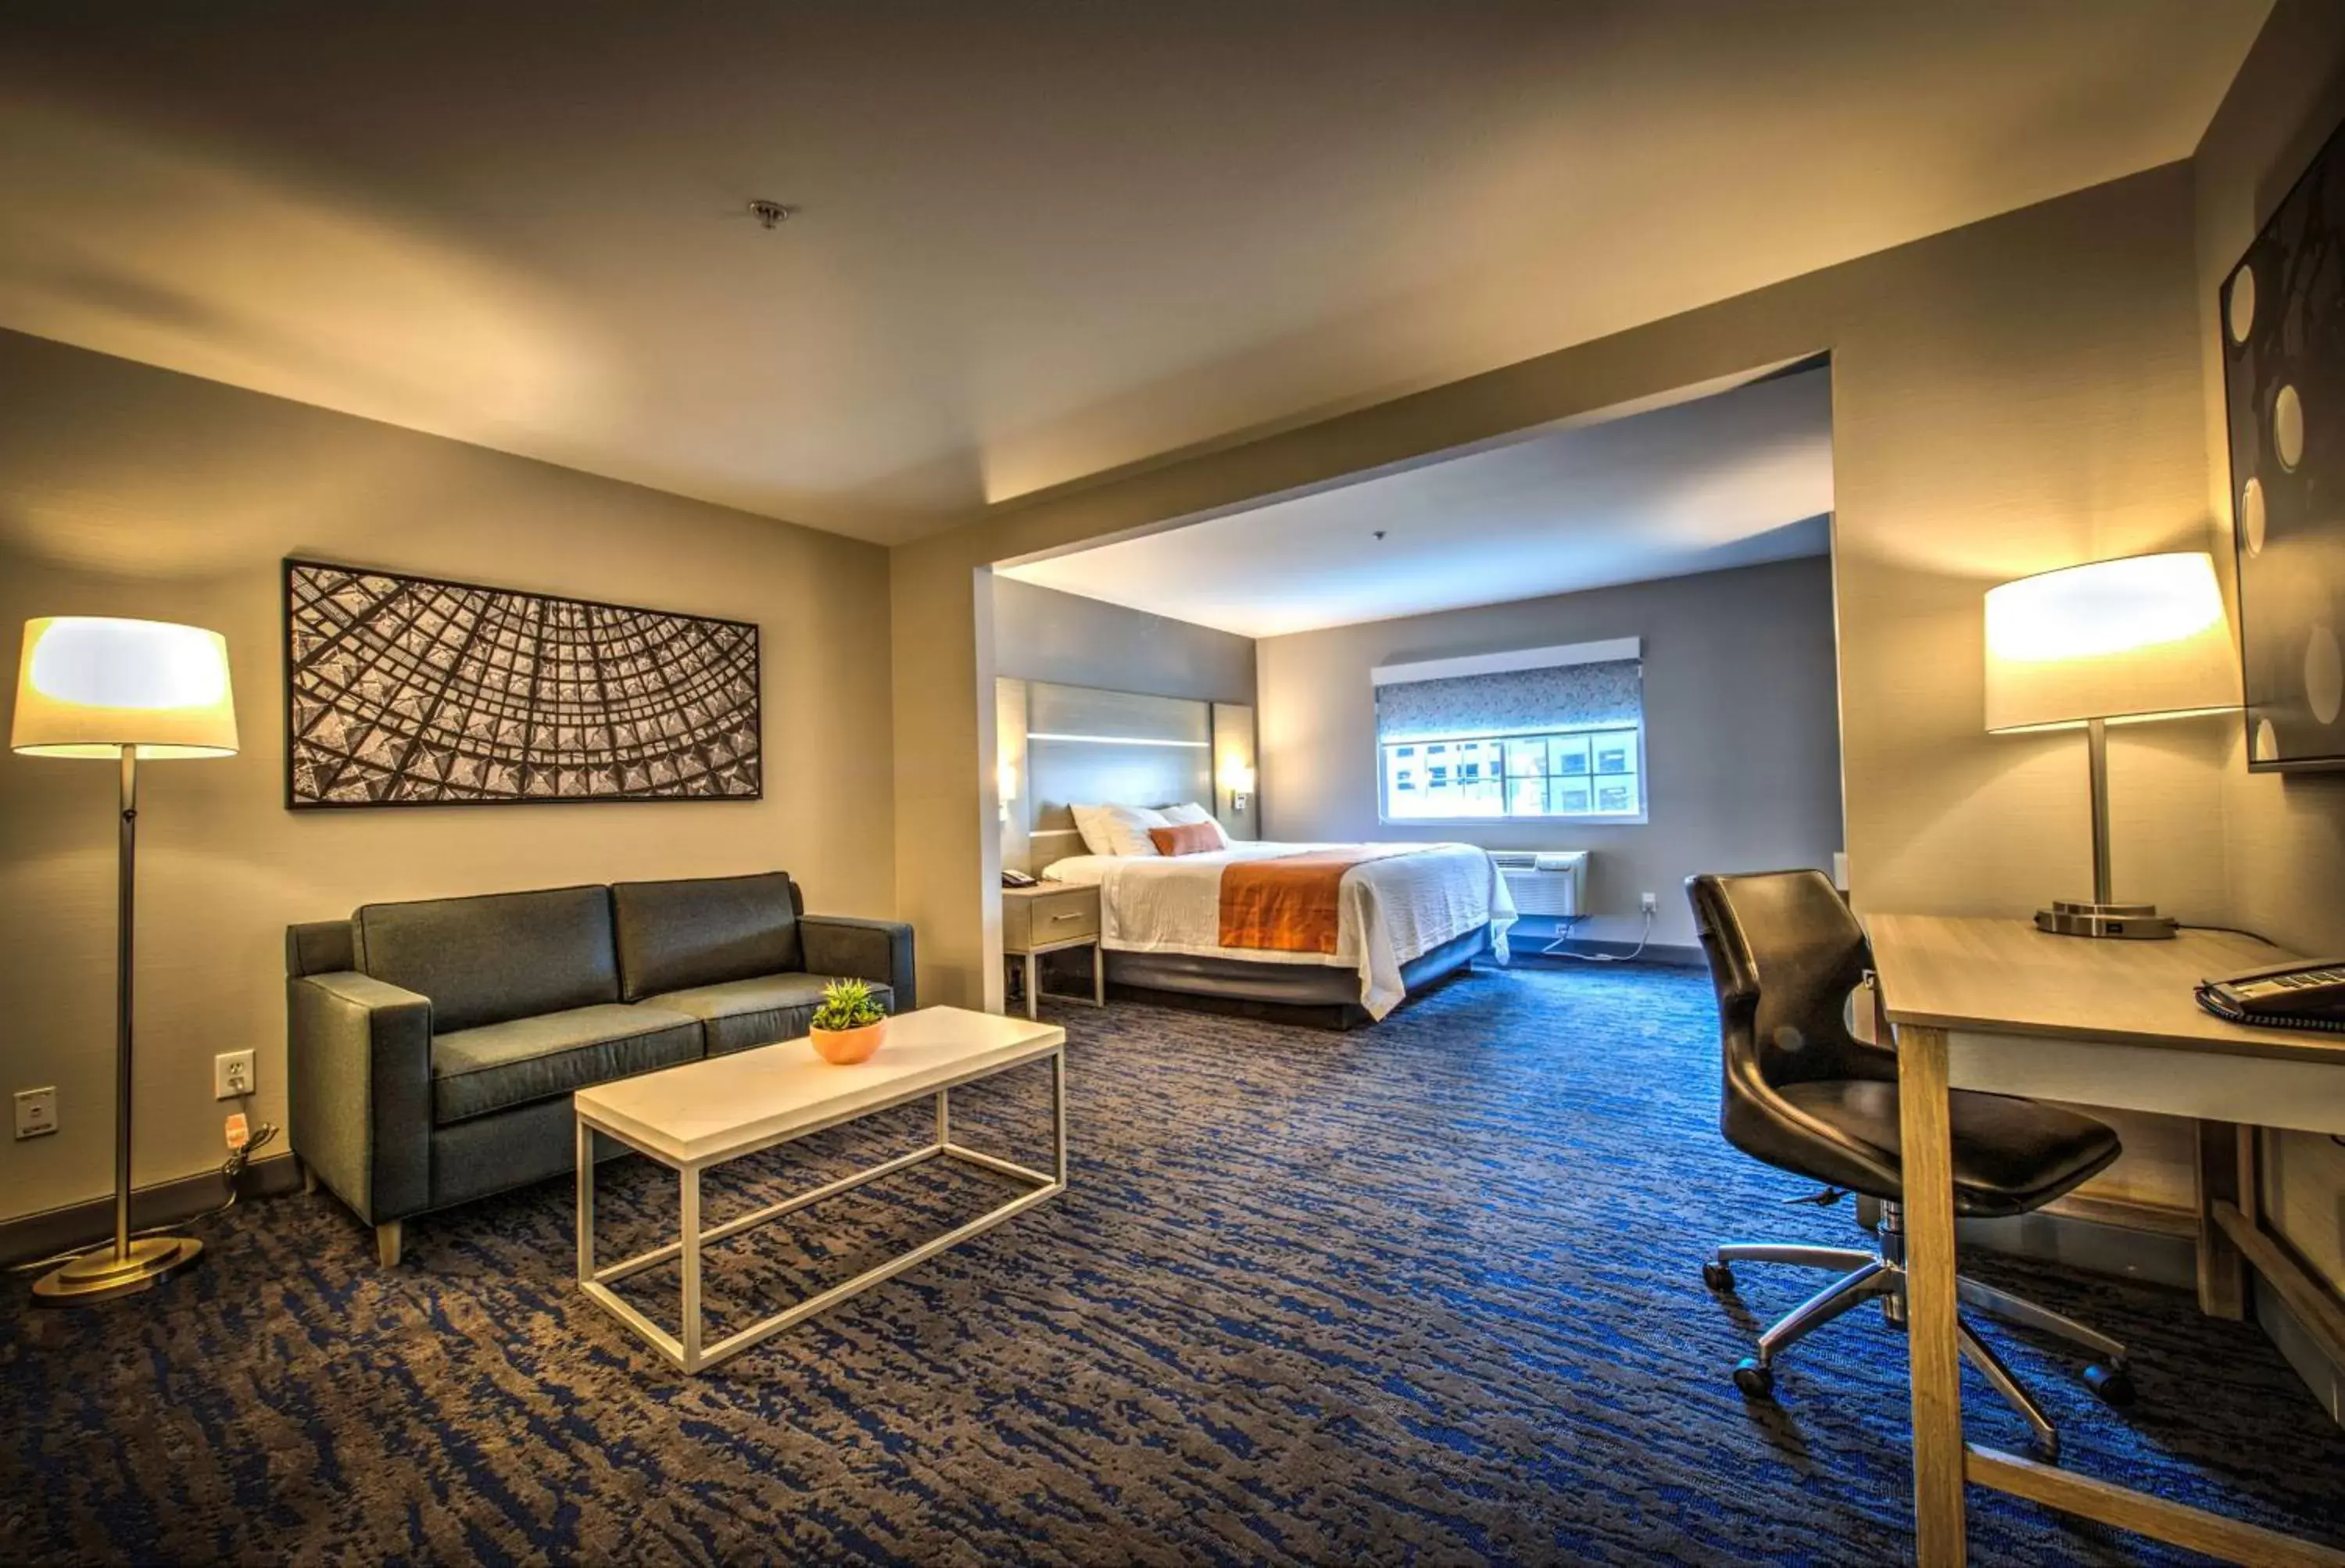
(1005, 784)
(1238, 780)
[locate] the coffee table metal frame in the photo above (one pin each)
(687, 1352)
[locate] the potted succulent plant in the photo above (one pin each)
(846, 1026)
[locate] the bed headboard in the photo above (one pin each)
(1062, 744)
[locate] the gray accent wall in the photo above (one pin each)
(1742, 731)
(1042, 634)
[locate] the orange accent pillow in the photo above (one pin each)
(1188, 839)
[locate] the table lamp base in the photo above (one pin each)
(2077, 917)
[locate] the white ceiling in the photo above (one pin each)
(1729, 479)
(1039, 240)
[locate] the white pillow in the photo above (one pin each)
(1191, 814)
(1117, 829)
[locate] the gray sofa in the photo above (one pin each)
(433, 1047)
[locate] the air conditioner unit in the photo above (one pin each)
(1545, 882)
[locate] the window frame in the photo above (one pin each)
(1639, 817)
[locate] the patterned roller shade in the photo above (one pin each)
(1513, 702)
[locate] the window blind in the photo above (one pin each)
(1563, 689)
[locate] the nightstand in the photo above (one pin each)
(1045, 918)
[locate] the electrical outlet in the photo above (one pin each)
(232, 1074)
(1649, 902)
(36, 1112)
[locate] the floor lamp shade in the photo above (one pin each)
(2114, 641)
(124, 691)
(89, 685)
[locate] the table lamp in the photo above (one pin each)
(121, 691)
(2114, 642)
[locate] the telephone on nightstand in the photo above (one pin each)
(2302, 995)
(1015, 879)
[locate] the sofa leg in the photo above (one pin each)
(309, 1174)
(386, 1244)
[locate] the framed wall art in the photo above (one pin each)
(2283, 327)
(415, 691)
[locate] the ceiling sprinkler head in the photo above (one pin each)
(1380, 532)
(769, 213)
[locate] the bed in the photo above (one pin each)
(1397, 917)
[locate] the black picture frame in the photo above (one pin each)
(2281, 328)
(683, 722)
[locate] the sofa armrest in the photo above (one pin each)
(359, 1073)
(875, 950)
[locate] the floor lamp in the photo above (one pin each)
(121, 691)
(2112, 641)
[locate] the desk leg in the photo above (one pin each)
(2225, 1175)
(1033, 990)
(1936, 1367)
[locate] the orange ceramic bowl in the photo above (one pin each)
(845, 1047)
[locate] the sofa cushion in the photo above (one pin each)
(740, 1013)
(674, 936)
(497, 957)
(500, 1065)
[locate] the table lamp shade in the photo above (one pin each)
(2144, 636)
(88, 686)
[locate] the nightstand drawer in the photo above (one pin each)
(1046, 918)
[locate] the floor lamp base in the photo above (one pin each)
(2075, 917)
(100, 1276)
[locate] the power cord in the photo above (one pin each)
(1556, 950)
(231, 1169)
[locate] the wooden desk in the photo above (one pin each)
(1997, 1004)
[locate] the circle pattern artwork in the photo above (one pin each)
(2324, 674)
(2243, 303)
(407, 691)
(2252, 517)
(2267, 741)
(2287, 428)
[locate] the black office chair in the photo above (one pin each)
(1805, 1096)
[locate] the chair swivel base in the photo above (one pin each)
(1881, 1276)
(102, 1275)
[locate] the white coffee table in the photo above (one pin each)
(701, 1114)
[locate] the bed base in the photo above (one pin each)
(1314, 995)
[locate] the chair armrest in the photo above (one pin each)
(358, 1075)
(875, 950)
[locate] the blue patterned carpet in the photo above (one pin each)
(1422, 1293)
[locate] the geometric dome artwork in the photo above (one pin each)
(2282, 323)
(409, 691)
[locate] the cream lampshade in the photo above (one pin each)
(2121, 641)
(124, 691)
(89, 685)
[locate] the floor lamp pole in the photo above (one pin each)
(128, 1265)
(126, 925)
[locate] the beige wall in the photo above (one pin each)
(1741, 731)
(2284, 836)
(2017, 396)
(126, 490)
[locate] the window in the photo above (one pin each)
(1539, 734)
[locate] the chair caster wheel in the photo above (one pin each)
(2113, 1384)
(1718, 1276)
(1757, 1382)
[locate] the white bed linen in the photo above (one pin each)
(1405, 900)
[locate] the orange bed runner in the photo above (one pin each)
(1286, 905)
